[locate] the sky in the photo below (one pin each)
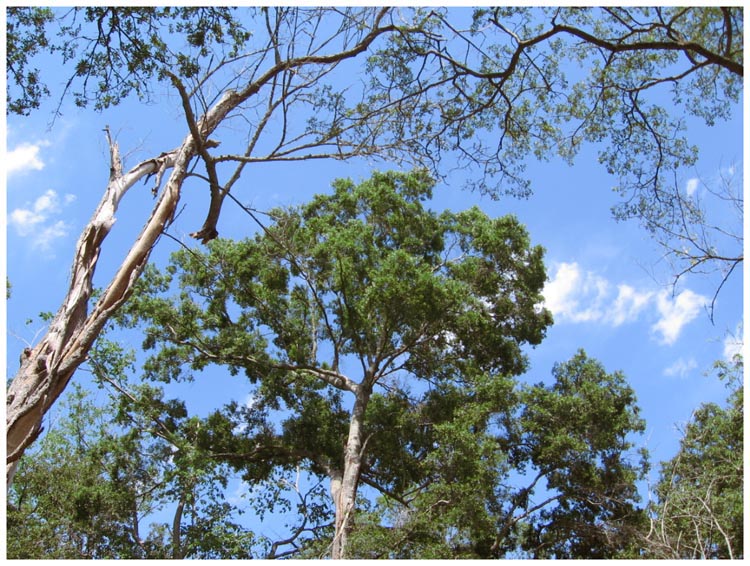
(608, 289)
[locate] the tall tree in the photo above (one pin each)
(478, 469)
(360, 291)
(542, 471)
(432, 85)
(698, 510)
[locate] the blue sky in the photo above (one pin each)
(608, 289)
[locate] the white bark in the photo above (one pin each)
(344, 486)
(47, 368)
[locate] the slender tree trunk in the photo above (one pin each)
(176, 531)
(344, 486)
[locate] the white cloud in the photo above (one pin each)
(43, 240)
(676, 313)
(681, 368)
(628, 304)
(574, 295)
(691, 186)
(24, 220)
(733, 343)
(37, 219)
(47, 203)
(24, 157)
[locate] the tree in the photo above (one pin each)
(90, 486)
(59, 507)
(577, 436)
(454, 480)
(428, 311)
(432, 87)
(540, 471)
(698, 511)
(355, 292)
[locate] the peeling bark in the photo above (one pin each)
(47, 368)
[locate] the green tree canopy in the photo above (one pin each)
(361, 290)
(122, 479)
(538, 471)
(482, 468)
(383, 341)
(485, 88)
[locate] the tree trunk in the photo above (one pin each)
(176, 530)
(46, 369)
(344, 486)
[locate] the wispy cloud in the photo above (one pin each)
(681, 368)
(43, 240)
(628, 304)
(24, 157)
(38, 220)
(733, 343)
(575, 295)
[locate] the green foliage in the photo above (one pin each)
(366, 272)
(365, 283)
(96, 479)
(509, 471)
(431, 90)
(59, 507)
(524, 86)
(25, 36)
(360, 288)
(699, 512)
(577, 435)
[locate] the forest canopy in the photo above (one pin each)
(393, 411)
